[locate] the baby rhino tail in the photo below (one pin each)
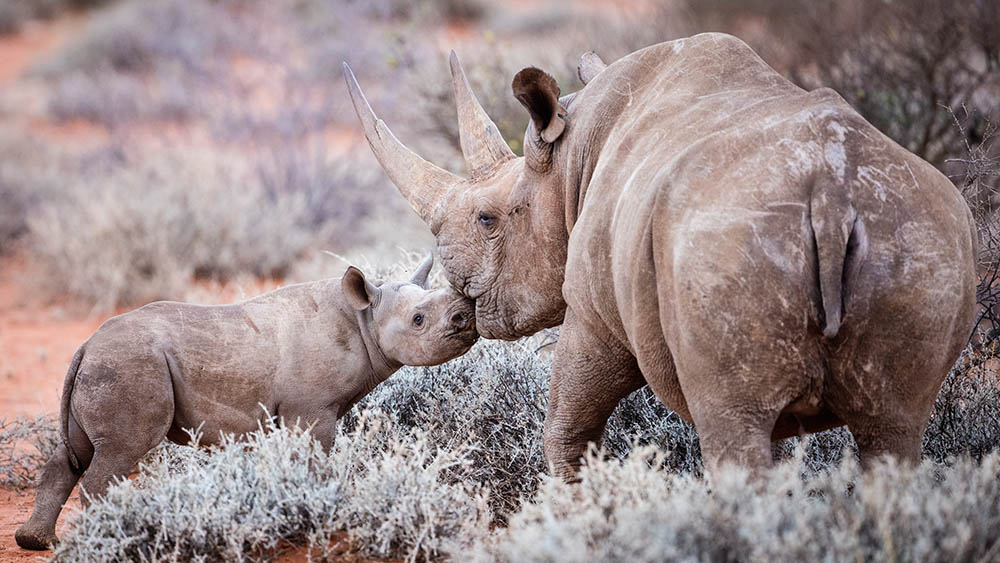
(64, 408)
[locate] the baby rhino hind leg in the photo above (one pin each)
(125, 414)
(116, 415)
(55, 484)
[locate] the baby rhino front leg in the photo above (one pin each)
(322, 421)
(590, 375)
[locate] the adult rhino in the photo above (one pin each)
(761, 256)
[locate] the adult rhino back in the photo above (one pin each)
(760, 256)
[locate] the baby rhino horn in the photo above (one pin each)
(420, 276)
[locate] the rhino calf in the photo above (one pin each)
(306, 352)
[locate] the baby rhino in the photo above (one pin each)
(306, 352)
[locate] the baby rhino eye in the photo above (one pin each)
(418, 319)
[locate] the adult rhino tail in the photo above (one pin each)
(838, 232)
(64, 407)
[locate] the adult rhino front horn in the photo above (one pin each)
(762, 257)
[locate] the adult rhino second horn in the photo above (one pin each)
(421, 183)
(590, 66)
(482, 143)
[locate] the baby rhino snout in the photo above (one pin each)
(462, 316)
(460, 320)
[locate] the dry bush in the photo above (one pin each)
(492, 398)
(143, 228)
(387, 488)
(15, 13)
(631, 511)
(29, 173)
(145, 60)
(979, 181)
(123, 227)
(25, 445)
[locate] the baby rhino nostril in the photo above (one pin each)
(459, 320)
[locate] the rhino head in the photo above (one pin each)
(412, 325)
(501, 232)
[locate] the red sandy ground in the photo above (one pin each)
(36, 345)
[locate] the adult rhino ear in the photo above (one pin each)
(358, 291)
(539, 94)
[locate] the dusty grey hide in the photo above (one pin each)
(305, 353)
(763, 258)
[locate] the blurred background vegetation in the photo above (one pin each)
(148, 145)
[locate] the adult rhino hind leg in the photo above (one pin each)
(55, 483)
(590, 375)
(732, 433)
(884, 386)
(886, 373)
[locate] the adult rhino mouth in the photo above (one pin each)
(468, 336)
(466, 313)
(493, 327)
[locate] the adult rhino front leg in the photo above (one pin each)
(591, 373)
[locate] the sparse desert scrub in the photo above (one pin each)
(126, 228)
(632, 511)
(496, 396)
(30, 172)
(25, 445)
(388, 488)
(139, 231)
(492, 398)
(144, 60)
(15, 13)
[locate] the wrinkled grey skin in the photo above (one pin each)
(762, 257)
(304, 353)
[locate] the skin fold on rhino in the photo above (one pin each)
(762, 257)
(305, 353)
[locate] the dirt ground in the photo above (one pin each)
(36, 346)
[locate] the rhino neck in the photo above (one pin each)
(590, 122)
(381, 367)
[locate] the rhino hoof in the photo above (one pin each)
(38, 542)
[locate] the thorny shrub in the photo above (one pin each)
(25, 445)
(128, 229)
(632, 511)
(387, 486)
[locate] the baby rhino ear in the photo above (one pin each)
(358, 291)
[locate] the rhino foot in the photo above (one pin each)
(28, 539)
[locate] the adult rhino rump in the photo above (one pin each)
(760, 256)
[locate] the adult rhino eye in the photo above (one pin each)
(487, 220)
(418, 319)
